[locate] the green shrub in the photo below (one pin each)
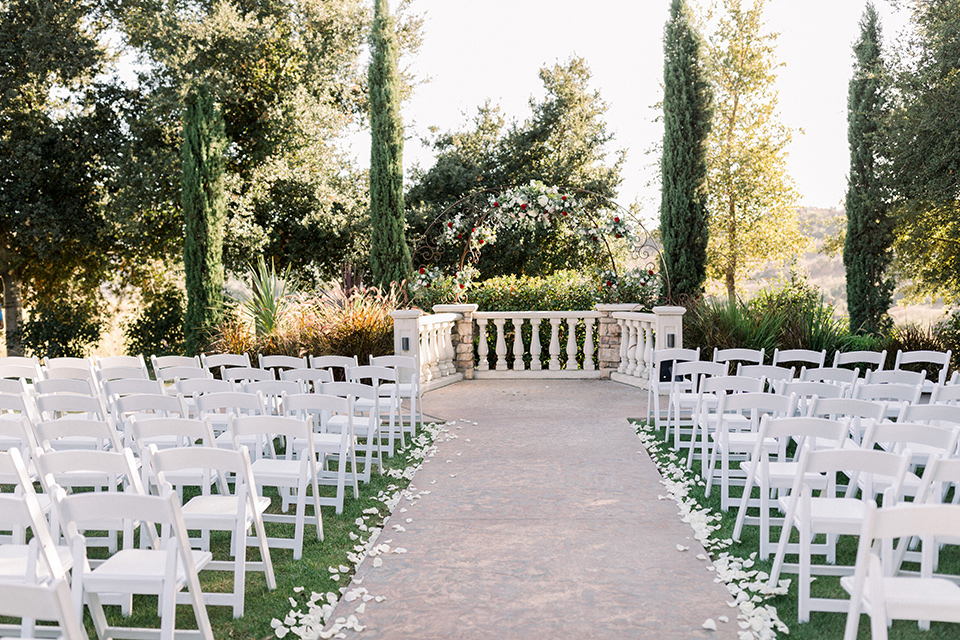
(720, 324)
(560, 291)
(157, 329)
(948, 331)
(65, 327)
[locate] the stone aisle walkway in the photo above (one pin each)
(541, 522)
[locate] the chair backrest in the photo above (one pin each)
(374, 374)
(26, 372)
(282, 362)
(938, 358)
(351, 390)
(14, 386)
(22, 509)
(74, 433)
(28, 361)
(337, 365)
(199, 386)
(938, 476)
(694, 371)
(899, 436)
(231, 402)
(49, 601)
(807, 390)
(121, 373)
(205, 459)
(129, 386)
(162, 362)
(665, 359)
(407, 368)
(176, 373)
(58, 405)
(269, 427)
(308, 379)
(833, 375)
(806, 356)
(106, 362)
(943, 415)
(731, 384)
(159, 404)
(16, 406)
(73, 468)
(805, 431)
(876, 358)
(837, 408)
(218, 361)
(316, 408)
(745, 356)
(82, 387)
(189, 430)
(857, 464)
(757, 404)
(272, 392)
(66, 361)
(889, 392)
(74, 373)
(768, 372)
(247, 374)
(946, 393)
(897, 376)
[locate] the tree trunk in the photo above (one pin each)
(12, 311)
(731, 270)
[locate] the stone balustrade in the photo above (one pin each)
(617, 342)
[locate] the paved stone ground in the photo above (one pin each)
(542, 521)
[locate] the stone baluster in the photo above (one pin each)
(434, 347)
(640, 351)
(648, 353)
(501, 345)
(624, 346)
(447, 367)
(555, 344)
(518, 350)
(482, 348)
(572, 344)
(588, 345)
(535, 344)
(425, 354)
(632, 338)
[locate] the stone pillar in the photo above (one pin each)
(462, 336)
(608, 342)
(669, 327)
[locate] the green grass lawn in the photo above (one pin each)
(822, 625)
(341, 534)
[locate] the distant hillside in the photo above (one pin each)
(827, 272)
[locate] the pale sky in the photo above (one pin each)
(474, 50)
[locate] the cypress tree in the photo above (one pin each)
(204, 210)
(389, 254)
(687, 114)
(867, 248)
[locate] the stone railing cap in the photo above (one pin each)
(406, 313)
(629, 306)
(455, 308)
(670, 311)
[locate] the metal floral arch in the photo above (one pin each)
(472, 222)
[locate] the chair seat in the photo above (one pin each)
(214, 507)
(13, 561)
(267, 469)
(782, 474)
(832, 515)
(138, 571)
(908, 598)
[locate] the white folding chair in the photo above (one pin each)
(830, 514)
(48, 601)
(80, 387)
(771, 468)
(942, 415)
(290, 476)
(66, 361)
(77, 433)
(895, 376)
(308, 379)
(215, 363)
(181, 432)
(876, 590)
(896, 396)
(408, 385)
(163, 362)
(706, 412)
(277, 363)
(106, 362)
(163, 569)
(240, 375)
(84, 372)
(736, 434)
(923, 440)
(806, 391)
(661, 377)
(685, 395)
(272, 392)
(147, 405)
(336, 365)
(236, 512)
(806, 357)
(218, 409)
(947, 393)
(772, 375)
(367, 423)
(738, 357)
(938, 358)
(384, 381)
(857, 358)
(169, 376)
(190, 389)
(339, 446)
(858, 413)
(843, 378)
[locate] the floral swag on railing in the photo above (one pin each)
(474, 222)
